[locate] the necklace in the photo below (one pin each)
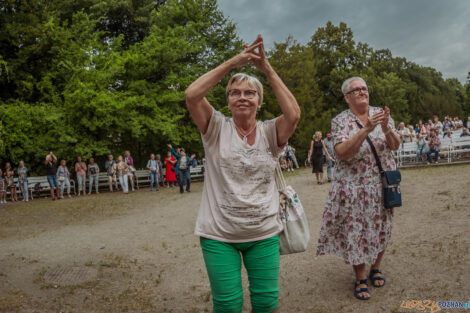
(243, 134)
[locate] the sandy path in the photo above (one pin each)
(148, 260)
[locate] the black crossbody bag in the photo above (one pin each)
(390, 180)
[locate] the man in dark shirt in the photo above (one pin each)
(51, 172)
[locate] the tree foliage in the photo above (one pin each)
(97, 77)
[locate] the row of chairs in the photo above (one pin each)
(451, 150)
(38, 185)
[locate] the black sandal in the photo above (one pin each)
(358, 291)
(374, 279)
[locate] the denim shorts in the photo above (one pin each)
(52, 179)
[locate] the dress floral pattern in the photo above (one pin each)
(355, 225)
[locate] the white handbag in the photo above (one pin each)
(296, 234)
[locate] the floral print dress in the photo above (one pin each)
(355, 225)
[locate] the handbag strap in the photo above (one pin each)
(374, 152)
(279, 177)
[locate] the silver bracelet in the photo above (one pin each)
(388, 131)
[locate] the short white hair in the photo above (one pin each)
(347, 82)
(251, 80)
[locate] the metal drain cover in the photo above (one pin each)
(70, 275)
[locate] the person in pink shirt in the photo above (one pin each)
(80, 170)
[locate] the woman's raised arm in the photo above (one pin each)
(198, 106)
(287, 122)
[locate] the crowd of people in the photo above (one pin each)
(120, 173)
(428, 135)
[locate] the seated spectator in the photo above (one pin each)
(422, 148)
(93, 175)
(23, 180)
(447, 132)
(412, 133)
(404, 133)
(438, 124)
(464, 132)
(429, 125)
(434, 147)
(457, 123)
(63, 176)
(447, 124)
(3, 189)
(422, 128)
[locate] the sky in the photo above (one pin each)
(432, 33)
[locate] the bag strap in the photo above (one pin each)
(374, 152)
(279, 177)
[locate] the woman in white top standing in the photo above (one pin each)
(239, 207)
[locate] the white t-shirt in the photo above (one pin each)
(240, 201)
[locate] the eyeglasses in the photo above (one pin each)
(249, 94)
(358, 91)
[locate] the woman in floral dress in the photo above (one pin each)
(355, 225)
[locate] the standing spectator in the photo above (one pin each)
(417, 129)
(122, 171)
(404, 133)
(447, 125)
(110, 166)
(152, 166)
(288, 152)
(93, 175)
(468, 123)
(130, 163)
(434, 144)
(330, 162)
(183, 168)
(80, 170)
(63, 175)
(51, 172)
(10, 179)
(160, 170)
(317, 148)
(3, 189)
(23, 180)
(170, 170)
(355, 224)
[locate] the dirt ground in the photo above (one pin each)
(143, 257)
